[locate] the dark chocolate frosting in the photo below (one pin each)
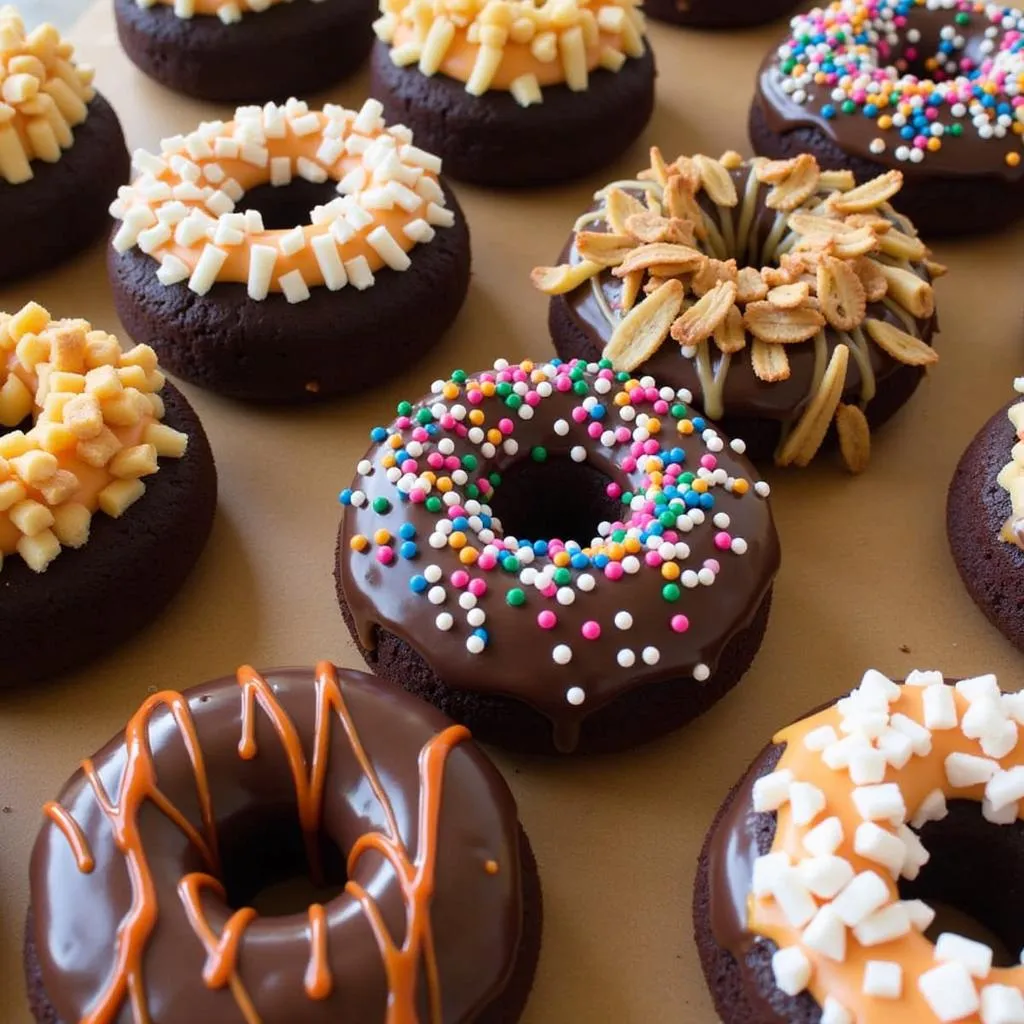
(125, 895)
(587, 654)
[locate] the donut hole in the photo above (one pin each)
(264, 864)
(557, 498)
(974, 880)
(284, 206)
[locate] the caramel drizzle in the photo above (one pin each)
(416, 877)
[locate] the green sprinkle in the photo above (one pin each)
(381, 505)
(504, 389)
(404, 408)
(424, 416)
(580, 387)
(539, 453)
(667, 519)
(671, 592)
(469, 462)
(434, 504)
(562, 577)
(516, 597)
(459, 376)
(510, 563)
(514, 401)
(495, 479)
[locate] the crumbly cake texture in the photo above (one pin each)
(96, 432)
(833, 250)
(845, 795)
(1011, 476)
(713, 14)
(512, 45)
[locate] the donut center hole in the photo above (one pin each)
(557, 498)
(285, 206)
(265, 865)
(974, 880)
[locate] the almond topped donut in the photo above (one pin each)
(268, 257)
(560, 556)
(104, 472)
(149, 875)
(62, 152)
(843, 870)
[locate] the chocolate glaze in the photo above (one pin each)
(518, 659)
(474, 915)
(966, 156)
(745, 396)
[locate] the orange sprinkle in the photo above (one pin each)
(457, 540)
(670, 571)
(1012, 159)
(740, 487)
(444, 484)
(685, 427)
(388, 461)
(468, 555)
(381, 537)
(487, 387)
(395, 441)
(632, 545)
(359, 543)
(476, 417)
(491, 867)
(450, 390)
(700, 486)
(653, 425)
(494, 435)
(616, 552)
(561, 559)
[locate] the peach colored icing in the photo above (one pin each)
(1011, 476)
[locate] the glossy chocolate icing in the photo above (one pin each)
(305, 967)
(967, 156)
(745, 396)
(518, 660)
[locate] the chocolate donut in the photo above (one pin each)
(833, 863)
(246, 50)
(62, 151)
(157, 845)
(633, 594)
(84, 541)
(931, 89)
(717, 13)
(983, 520)
(209, 267)
(516, 93)
(791, 301)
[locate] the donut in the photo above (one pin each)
(716, 13)
(62, 152)
(513, 92)
(85, 525)
(561, 557)
(784, 298)
(931, 89)
(208, 265)
(245, 50)
(835, 880)
(985, 519)
(159, 845)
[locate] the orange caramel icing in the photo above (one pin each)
(920, 779)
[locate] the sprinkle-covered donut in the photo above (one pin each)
(157, 846)
(513, 92)
(722, 14)
(246, 50)
(199, 274)
(783, 297)
(62, 152)
(104, 469)
(934, 88)
(560, 556)
(821, 879)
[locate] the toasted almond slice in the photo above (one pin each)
(659, 169)
(775, 277)
(846, 246)
(731, 160)
(564, 278)
(871, 194)
(654, 282)
(604, 248)
(879, 225)
(797, 187)
(630, 290)
(729, 334)
(903, 347)
(749, 286)
(902, 246)
(854, 437)
(871, 277)
(782, 326)
(805, 439)
(804, 263)
(935, 269)
(842, 296)
(842, 181)
(660, 254)
(701, 320)
(716, 181)
(817, 224)
(618, 206)
(686, 170)
(711, 273)
(649, 227)
(770, 362)
(789, 296)
(771, 172)
(680, 203)
(913, 293)
(641, 332)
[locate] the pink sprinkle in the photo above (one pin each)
(487, 562)
(679, 623)
(417, 495)
(622, 434)
(723, 541)
(460, 578)
(452, 463)
(708, 461)
(579, 414)
(435, 460)
(478, 587)
(712, 564)
(562, 383)
(506, 426)
(591, 630)
(661, 407)
(628, 464)
(475, 397)
(420, 434)
(653, 559)
(547, 620)
(403, 422)
(454, 511)
(614, 570)
(448, 421)
(594, 429)
(613, 490)
(651, 394)
(409, 466)
(385, 554)
(532, 398)
(651, 446)
(550, 590)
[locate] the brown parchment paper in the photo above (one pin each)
(867, 579)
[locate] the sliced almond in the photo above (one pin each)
(880, 225)
(564, 278)
(630, 290)
(854, 437)
(782, 326)
(846, 245)
(842, 296)
(902, 246)
(903, 347)
(730, 337)
(681, 205)
(649, 227)
(814, 224)
(701, 320)
(641, 332)
(841, 181)
(711, 273)
(655, 281)
(770, 362)
(659, 169)
(776, 277)
(797, 187)
(805, 439)
(935, 270)
(913, 293)
(660, 254)
(871, 277)
(618, 206)
(604, 248)
(716, 181)
(869, 195)
(749, 286)
(789, 296)
(685, 169)
(771, 172)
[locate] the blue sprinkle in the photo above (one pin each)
(460, 523)
(482, 633)
(707, 501)
(408, 550)
(346, 496)
(579, 561)
(828, 111)
(597, 412)
(699, 423)
(407, 531)
(540, 547)
(418, 584)
(378, 434)
(600, 561)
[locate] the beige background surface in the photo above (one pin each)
(866, 580)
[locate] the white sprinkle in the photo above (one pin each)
(883, 979)
(976, 957)
(436, 595)
(207, 268)
(293, 284)
(444, 621)
(623, 620)
(626, 658)
(701, 672)
(651, 655)
(561, 654)
(949, 991)
(575, 696)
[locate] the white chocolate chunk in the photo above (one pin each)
(280, 171)
(862, 897)
(293, 285)
(1005, 787)
(262, 259)
(806, 802)
(999, 742)
(883, 979)
(933, 808)
(867, 766)
(792, 970)
(985, 715)
(292, 241)
(896, 747)
(939, 708)
(388, 249)
(207, 268)
(793, 897)
(825, 838)
(1005, 815)
(963, 770)
(949, 991)
(916, 853)
(820, 738)
(766, 870)
(921, 915)
(928, 677)
(979, 686)
(833, 1012)
(326, 251)
(771, 791)
(874, 682)
(919, 736)
(825, 876)
(878, 845)
(880, 803)
(359, 274)
(1002, 1004)
(891, 922)
(826, 934)
(976, 957)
